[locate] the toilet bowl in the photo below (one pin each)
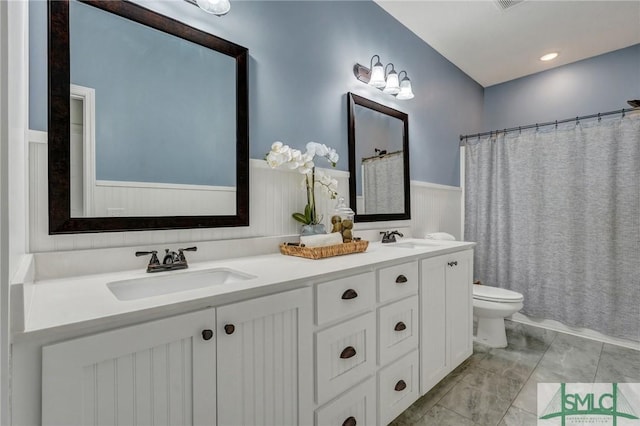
(490, 306)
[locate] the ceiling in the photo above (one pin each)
(494, 45)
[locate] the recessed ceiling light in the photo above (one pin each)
(549, 56)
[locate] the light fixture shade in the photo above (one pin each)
(393, 85)
(405, 90)
(215, 7)
(377, 76)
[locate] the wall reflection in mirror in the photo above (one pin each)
(153, 121)
(379, 161)
(148, 122)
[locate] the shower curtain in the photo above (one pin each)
(556, 215)
(383, 183)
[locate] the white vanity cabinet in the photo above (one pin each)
(352, 348)
(446, 307)
(160, 372)
(164, 372)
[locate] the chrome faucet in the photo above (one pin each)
(170, 261)
(390, 236)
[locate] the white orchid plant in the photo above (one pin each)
(283, 155)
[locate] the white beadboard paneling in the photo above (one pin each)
(435, 208)
(144, 199)
(274, 195)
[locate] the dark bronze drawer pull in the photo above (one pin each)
(207, 334)
(350, 421)
(229, 328)
(454, 263)
(348, 352)
(400, 326)
(400, 386)
(401, 279)
(349, 294)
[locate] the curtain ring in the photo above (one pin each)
(537, 128)
(623, 112)
(520, 129)
(577, 121)
(599, 117)
(556, 124)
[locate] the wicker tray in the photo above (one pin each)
(327, 251)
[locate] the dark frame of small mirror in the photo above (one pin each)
(60, 220)
(352, 101)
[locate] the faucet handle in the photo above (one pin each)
(181, 256)
(154, 256)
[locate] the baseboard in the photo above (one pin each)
(580, 332)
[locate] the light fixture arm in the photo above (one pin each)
(393, 69)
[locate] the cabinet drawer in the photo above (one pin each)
(356, 407)
(397, 329)
(343, 297)
(397, 387)
(345, 355)
(398, 281)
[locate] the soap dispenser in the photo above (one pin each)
(342, 220)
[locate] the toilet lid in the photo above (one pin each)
(495, 294)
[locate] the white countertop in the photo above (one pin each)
(77, 302)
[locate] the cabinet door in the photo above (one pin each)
(265, 360)
(161, 373)
(459, 273)
(434, 362)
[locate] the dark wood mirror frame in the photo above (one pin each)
(352, 101)
(60, 220)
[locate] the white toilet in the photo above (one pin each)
(490, 306)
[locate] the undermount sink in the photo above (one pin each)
(174, 282)
(414, 244)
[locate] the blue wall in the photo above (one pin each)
(301, 60)
(598, 84)
(154, 93)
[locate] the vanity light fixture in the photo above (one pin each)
(214, 7)
(385, 79)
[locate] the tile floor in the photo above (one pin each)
(499, 386)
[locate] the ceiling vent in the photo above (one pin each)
(507, 4)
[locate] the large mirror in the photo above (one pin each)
(378, 161)
(148, 122)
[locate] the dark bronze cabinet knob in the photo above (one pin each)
(401, 279)
(348, 352)
(229, 328)
(349, 294)
(400, 326)
(349, 421)
(400, 386)
(207, 334)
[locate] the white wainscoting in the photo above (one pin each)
(275, 194)
(116, 198)
(435, 208)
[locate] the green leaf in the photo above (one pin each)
(300, 218)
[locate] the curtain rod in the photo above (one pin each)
(548, 123)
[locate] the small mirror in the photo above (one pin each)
(148, 123)
(378, 161)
